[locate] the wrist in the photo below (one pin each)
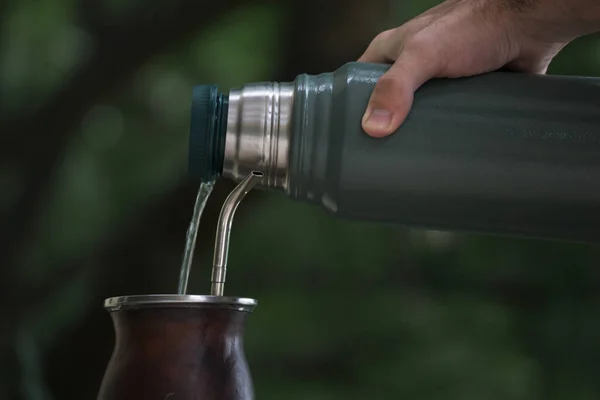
(554, 21)
(578, 17)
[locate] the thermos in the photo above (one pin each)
(503, 153)
(178, 347)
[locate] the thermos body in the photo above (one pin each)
(503, 153)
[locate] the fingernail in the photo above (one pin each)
(379, 119)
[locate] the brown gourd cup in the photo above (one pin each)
(178, 347)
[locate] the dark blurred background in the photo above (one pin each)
(95, 201)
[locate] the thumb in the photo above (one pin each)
(392, 96)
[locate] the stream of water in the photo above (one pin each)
(192, 232)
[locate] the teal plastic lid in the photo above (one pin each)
(207, 132)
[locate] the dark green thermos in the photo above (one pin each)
(504, 153)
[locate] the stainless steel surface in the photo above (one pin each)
(224, 231)
(258, 132)
(173, 300)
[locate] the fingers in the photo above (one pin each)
(379, 50)
(536, 62)
(392, 97)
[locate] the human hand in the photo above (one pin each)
(467, 37)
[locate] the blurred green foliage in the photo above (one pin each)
(347, 310)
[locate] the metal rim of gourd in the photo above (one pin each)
(174, 300)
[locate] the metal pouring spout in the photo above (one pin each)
(230, 205)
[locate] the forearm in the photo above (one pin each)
(555, 20)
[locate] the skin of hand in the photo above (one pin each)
(461, 38)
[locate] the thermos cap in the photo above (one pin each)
(207, 132)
